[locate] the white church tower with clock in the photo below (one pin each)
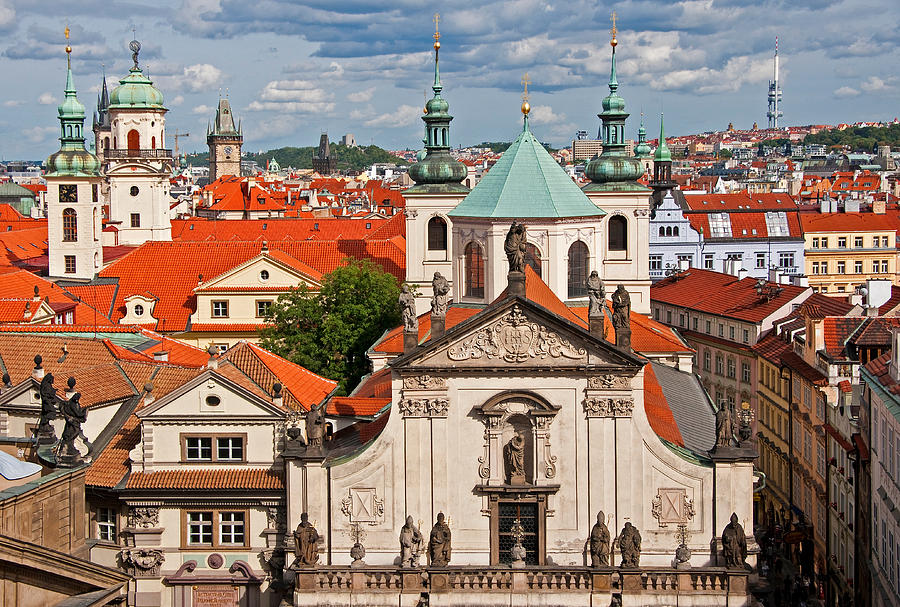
(138, 163)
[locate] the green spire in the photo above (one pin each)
(437, 171)
(662, 150)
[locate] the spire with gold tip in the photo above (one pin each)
(526, 107)
(614, 170)
(437, 171)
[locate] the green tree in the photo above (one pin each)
(329, 332)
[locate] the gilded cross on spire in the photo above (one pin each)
(437, 34)
(614, 30)
(68, 48)
(526, 107)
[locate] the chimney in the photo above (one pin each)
(277, 398)
(161, 356)
(148, 393)
(878, 292)
(742, 273)
(70, 388)
(38, 371)
(851, 205)
(855, 299)
(800, 280)
(878, 207)
(213, 362)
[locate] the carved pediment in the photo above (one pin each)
(519, 337)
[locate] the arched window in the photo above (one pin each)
(578, 269)
(533, 258)
(153, 142)
(106, 143)
(668, 230)
(662, 231)
(618, 233)
(134, 140)
(437, 234)
(675, 231)
(70, 225)
(474, 270)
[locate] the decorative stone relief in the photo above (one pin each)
(608, 381)
(425, 382)
(276, 518)
(515, 339)
(641, 212)
(596, 406)
(484, 461)
(410, 212)
(549, 459)
(142, 562)
(424, 407)
(362, 505)
(143, 517)
(672, 506)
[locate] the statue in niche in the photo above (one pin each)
(596, 295)
(630, 546)
(734, 544)
(439, 543)
(621, 303)
(516, 239)
(724, 429)
(411, 544)
(598, 543)
(306, 542)
(441, 288)
(315, 428)
(408, 309)
(514, 458)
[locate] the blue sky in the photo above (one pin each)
(293, 68)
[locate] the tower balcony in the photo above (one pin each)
(132, 153)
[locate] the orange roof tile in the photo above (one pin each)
(356, 406)
(218, 478)
(849, 222)
(112, 464)
(657, 409)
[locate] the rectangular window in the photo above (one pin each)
(106, 524)
(719, 225)
(731, 368)
(220, 309)
(263, 308)
(841, 265)
(95, 197)
(230, 448)
(200, 528)
(696, 322)
(815, 267)
(220, 348)
(807, 446)
(720, 365)
(745, 373)
(884, 242)
(857, 267)
(231, 528)
(70, 225)
(875, 267)
(858, 242)
(777, 224)
(687, 259)
(842, 242)
(884, 266)
(815, 243)
(731, 333)
(708, 261)
(669, 317)
(198, 448)
(656, 262)
(721, 330)
(135, 220)
(709, 327)
(786, 260)
(760, 260)
(706, 360)
(70, 264)
(681, 320)
(746, 336)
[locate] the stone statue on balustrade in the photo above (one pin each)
(49, 408)
(724, 426)
(734, 544)
(514, 247)
(306, 543)
(630, 546)
(407, 303)
(411, 544)
(598, 543)
(439, 543)
(621, 303)
(441, 300)
(596, 295)
(315, 428)
(75, 415)
(514, 458)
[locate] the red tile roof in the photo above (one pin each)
(270, 230)
(848, 222)
(881, 369)
(112, 464)
(740, 201)
(356, 406)
(207, 478)
(723, 295)
(657, 409)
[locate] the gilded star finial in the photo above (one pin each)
(68, 47)
(526, 107)
(614, 30)
(437, 33)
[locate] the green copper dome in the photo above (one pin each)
(614, 170)
(71, 159)
(662, 150)
(136, 91)
(436, 170)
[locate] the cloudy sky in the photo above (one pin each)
(294, 68)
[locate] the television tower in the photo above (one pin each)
(774, 112)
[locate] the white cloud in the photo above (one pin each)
(845, 91)
(46, 99)
(402, 116)
(361, 96)
(176, 101)
(874, 84)
(38, 134)
(543, 114)
(203, 110)
(13, 103)
(7, 14)
(197, 78)
(296, 96)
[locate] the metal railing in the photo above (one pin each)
(129, 153)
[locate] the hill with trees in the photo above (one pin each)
(348, 158)
(862, 139)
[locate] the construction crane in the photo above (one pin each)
(177, 135)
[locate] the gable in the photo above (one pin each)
(517, 334)
(196, 400)
(250, 275)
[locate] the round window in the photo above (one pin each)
(264, 275)
(134, 190)
(212, 400)
(139, 310)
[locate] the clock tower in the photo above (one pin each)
(224, 142)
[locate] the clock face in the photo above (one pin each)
(227, 149)
(68, 193)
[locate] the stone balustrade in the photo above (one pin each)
(647, 586)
